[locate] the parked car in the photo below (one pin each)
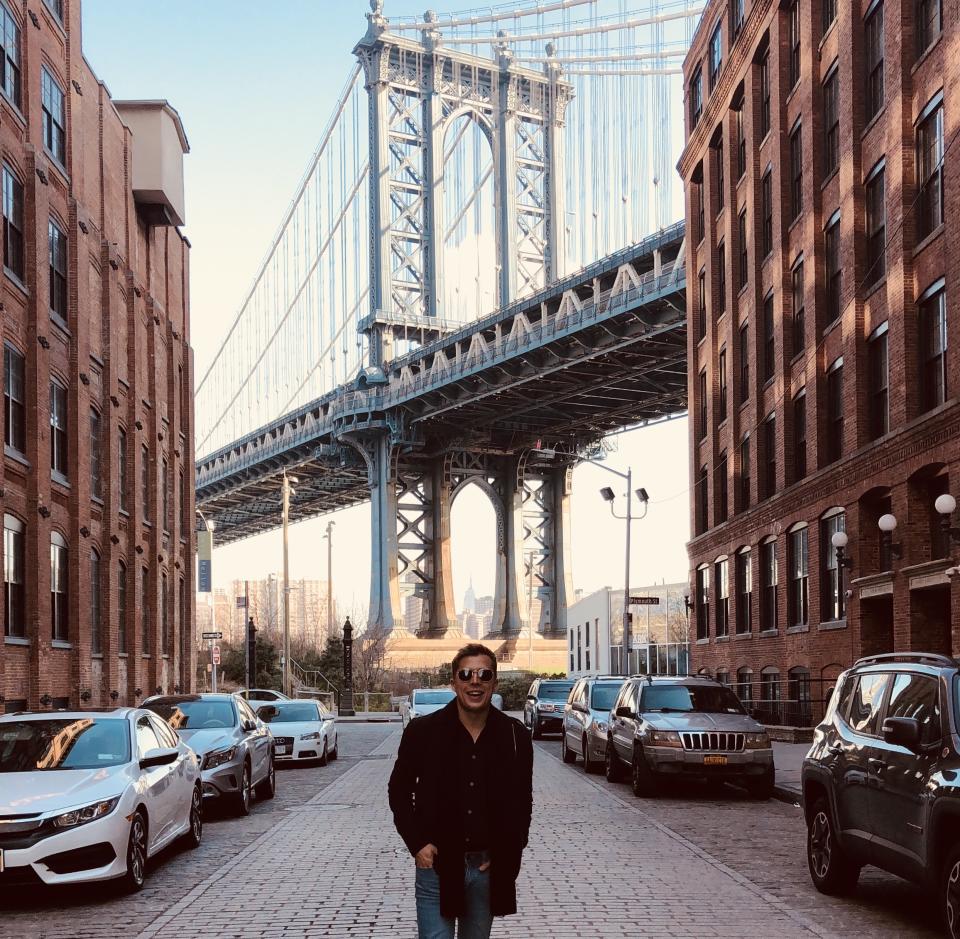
(586, 717)
(496, 700)
(92, 795)
(258, 696)
(543, 709)
(425, 701)
(881, 782)
(693, 727)
(234, 745)
(302, 730)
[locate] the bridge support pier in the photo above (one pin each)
(384, 615)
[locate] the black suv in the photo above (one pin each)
(881, 783)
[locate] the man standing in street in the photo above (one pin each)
(461, 793)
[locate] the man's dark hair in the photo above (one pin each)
(473, 648)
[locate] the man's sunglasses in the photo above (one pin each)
(484, 674)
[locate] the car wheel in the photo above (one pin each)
(333, 754)
(949, 891)
(194, 834)
(643, 779)
(565, 752)
(589, 765)
(242, 797)
(136, 872)
(267, 787)
(612, 764)
(324, 756)
(761, 787)
(831, 870)
(535, 730)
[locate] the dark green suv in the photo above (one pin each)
(881, 783)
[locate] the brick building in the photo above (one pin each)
(97, 477)
(824, 366)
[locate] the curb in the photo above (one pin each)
(790, 796)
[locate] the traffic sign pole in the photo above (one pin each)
(214, 662)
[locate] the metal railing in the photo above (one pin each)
(791, 701)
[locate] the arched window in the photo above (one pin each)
(59, 621)
(832, 605)
(798, 710)
(722, 572)
(798, 568)
(703, 602)
(96, 610)
(745, 687)
(164, 616)
(14, 544)
(121, 607)
(96, 467)
(768, 584)
(744, 577)
(769, 710)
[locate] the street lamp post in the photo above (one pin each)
(287, 491)
(329, 537)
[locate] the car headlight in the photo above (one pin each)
(313, 736)
(601, 726)
(664, 738)
(89, 813)
(756, 741)
(218, 757)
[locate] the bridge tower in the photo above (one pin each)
(416, 88)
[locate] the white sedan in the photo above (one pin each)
(302, 730)
(91, 795)
(426, 701)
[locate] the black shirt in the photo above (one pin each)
(473, 759)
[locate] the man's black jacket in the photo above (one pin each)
(424, 792)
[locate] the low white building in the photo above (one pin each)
(659, 637)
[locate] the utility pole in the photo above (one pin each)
(626, 576)
(287, 490)
(247, 676)
(329, 537)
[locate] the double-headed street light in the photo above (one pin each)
(288, 490)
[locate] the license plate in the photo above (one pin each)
(282, 750)
(714, 761)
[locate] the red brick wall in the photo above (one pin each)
(122, 350)
(921, 454)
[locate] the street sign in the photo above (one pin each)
(241, 602)
(212, 635)
(216, 655)
(645, 601)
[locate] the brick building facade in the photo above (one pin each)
(824, 366)
(96, 484)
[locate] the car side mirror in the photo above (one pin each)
(249, 725)
(902, 731)
(267, 712)
(162, 756)
(624, 711)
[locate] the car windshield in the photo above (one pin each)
(287, 712)
(603, 696)
(555, 690)
(63, 743)
(712, 699)
(196, 715)
(441, 696)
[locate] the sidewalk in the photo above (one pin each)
(788, 760)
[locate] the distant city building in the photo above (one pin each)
(470, 599)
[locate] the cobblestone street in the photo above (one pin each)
(323, 860)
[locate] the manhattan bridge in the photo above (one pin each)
(478, 279)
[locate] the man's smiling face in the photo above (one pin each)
(473, 695)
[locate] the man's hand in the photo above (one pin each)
(484, 866)
(426, 855)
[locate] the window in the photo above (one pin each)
(800, 436)
(742, 243)
(145, 480)
(721, 278)
(741, 144)
(736, 8)
(873, 27)
(829, 13)
(876, 227)
(145, 610)
(184, 505)
(701, 519)
(796, 172)
(831, 596)
(798, 697)
(702, 305)
(878, 377)
(58, 428)
(770, 456)
(147, 738)
(14, 393)
(744, 591)
(13, 258)
(864, 715)
(182, 598)
(933, 347)
(917, 697)
(721, 183)
(55, 7)
(701, 224)
(720, 488)
(14, 564)
(59, 622)
(165, 494)
(929, 23)
(767, 204)
(57, 243)
(744, 346)
(96, 476)
(835, 411)
(796, 289)
(930, 168)
(696, 98)
(123, 491)
(745, 687)
(122, 607)
(765, 95)
(794, 61)
(10, 61)
(769, 346)
(716, 55)
(722, 375)
(833, 272)
(54, 117)
(831, 120)
(798, 563)
(702, 405)
(723, 600)
(96, 618)
(164, 616)
(703, 602)
(745, 473)
(768, 585)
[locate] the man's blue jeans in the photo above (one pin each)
(475, 923)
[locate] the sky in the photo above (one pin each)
(254, 84)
